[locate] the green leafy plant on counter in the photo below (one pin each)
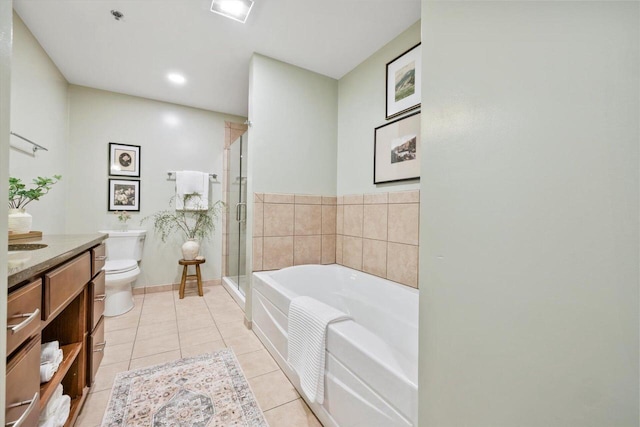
(20, 196)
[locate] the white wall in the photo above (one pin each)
(172, 137)
(39, 113)
(529, 245)
(361, 108)
(5, 107)
(293, 129)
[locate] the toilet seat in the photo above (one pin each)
(119, 266)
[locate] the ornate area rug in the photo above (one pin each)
(209, 390)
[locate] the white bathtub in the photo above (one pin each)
(371, 372)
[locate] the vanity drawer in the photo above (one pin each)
(98, 257)
(64, 283)
(23, 385)
(96, 348)
(23, 314)
(97, 295)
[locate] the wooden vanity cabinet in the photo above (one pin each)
(64, 304)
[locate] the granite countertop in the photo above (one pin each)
(60, 248)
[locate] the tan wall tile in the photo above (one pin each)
(258, 219)
(306, 199)
(307, 250)
(329, 200)
(277, 252)
(308, 220)
(353, 220)
(339, 249)
(402, 264)
(278, 198)
(375, 222)
(329, 219)
(340, 200)
(374, 257)
(352, 252)
(376, 198)
(257, 254)
(340, 219)
(328, 249)
(258, 197)
(404, 223)
(405, 196)
(354, 199)
(278, 219)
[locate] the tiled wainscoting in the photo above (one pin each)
(379, 234)
(375, 233)
(293, 229)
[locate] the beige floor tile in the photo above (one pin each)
(196, 322)
(257, 363)
(234, 315)
(120, 336)
(106, 374)
(198, 336)
(206, 347)
(273, 389)
(202, 313)
(93, 409)
(146, 332)
(292, 414)
(155, 359)
(162, 344)
(117, 323)
(116, 353)
(246, 343)
(233, 329)
(157, 317)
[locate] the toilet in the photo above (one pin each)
(124, 251)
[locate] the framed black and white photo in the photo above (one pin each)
(403, 82)
(124, 195)
(396, 152)
(124, 160)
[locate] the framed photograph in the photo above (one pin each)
(124, 160)
(396, 151)
(124, 195)
(403, 82)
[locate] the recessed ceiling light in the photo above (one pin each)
(176, 78)
(238, 10)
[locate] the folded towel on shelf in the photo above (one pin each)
(57, 359)
(48, 351)
(53, 405)
(48, 422)
(308, 321)
(64, 409)
(192, 183)
(47, 369)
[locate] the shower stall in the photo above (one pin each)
(236, 280)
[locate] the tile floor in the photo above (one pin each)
(161, 327)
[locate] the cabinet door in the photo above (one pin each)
(97, 296)
(98, 257)
(96, 349)
(23, 314)
(23, 385)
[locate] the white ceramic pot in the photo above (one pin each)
(190, 249)
(19, 221)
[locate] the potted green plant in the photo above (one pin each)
(20, 196)
(195, 225)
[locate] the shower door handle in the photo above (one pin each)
(239, 217)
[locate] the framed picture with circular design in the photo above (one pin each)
(124, 160)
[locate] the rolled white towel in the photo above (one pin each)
(52, 405)
(47, 369)
(64, 408)
(58, 358)
(48, 351)
(48, 422)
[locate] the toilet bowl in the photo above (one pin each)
(124, 250)
(120, 274)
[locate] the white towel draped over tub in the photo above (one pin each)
(192, 182)
(308, 321)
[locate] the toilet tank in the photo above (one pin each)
(125, 244)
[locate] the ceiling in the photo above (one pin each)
(155, 37)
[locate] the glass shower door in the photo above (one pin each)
(237, 218)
